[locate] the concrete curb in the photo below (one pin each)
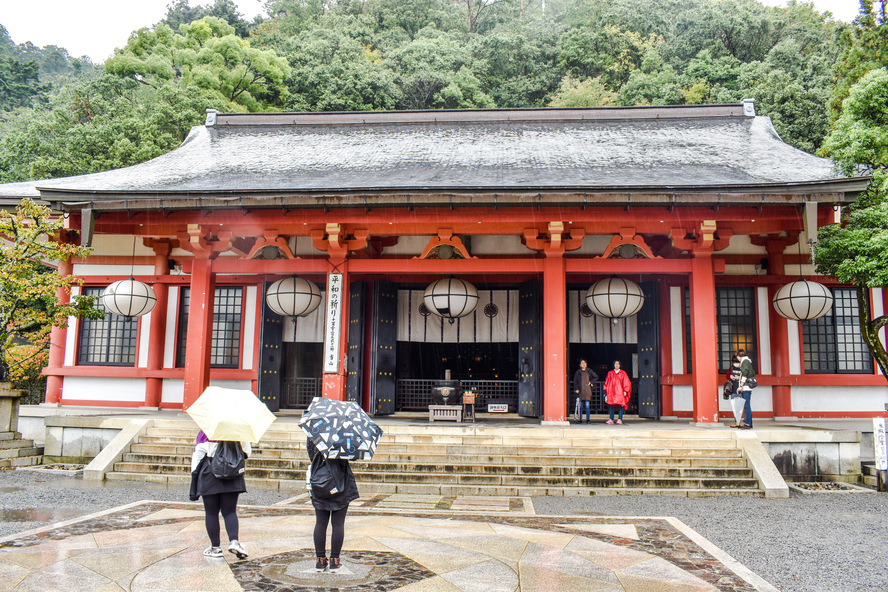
(114, 451)
(769, 478)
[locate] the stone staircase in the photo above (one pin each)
(18, 452)
(480, 460)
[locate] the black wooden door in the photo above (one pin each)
(648, 353)
(530, 344)
(270, 356)
(354, 364)
(384, 342)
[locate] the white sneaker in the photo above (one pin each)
(238, 549)
(213, 552)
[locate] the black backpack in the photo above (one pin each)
(229, 461)
(328, 478)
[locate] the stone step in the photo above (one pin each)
(182, 464)
(268, 458)
(651, 448)
(23, 451)
(660, 478)
(14, 444)
(21, 461)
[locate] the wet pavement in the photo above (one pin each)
(392, 543)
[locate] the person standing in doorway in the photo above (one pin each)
(617, 387)
(746, 373)
(582, 383)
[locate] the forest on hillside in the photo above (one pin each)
(61, 115)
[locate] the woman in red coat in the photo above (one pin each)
(618, 388)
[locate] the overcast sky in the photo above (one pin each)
(96, 27)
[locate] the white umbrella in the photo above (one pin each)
(231, 414)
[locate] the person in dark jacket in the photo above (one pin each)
(331, 511)
(582, 383)
(219, 496)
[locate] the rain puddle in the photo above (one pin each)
(38, 515)
(11, 489)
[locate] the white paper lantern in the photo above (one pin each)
(803, 300)
(129, 298)
(614, 298)
(450, 298)
(293, 297)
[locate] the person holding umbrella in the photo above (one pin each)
(224, 416)
(219, 496)
(338, 431)
(331, 510)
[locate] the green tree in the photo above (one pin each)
(865, 48)
(20, 84)
(606, 51)
(208, 55)
(517, 67)
(29, 306)
(99, 125)
(583, 93)
(856, 251)
(182, 13)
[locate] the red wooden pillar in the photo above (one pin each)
(157, 325)
(780, 393)
(705, 338)
(554, 337)
(57, 341)
(335, 383)
(200, 328)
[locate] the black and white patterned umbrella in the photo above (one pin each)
(340, 429)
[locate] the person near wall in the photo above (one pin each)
(618, 388)
(331, 511)
(219, 496)
(737, 401)
(582, 383)
(746, 372)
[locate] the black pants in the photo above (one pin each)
(226, 503)
(337, 519)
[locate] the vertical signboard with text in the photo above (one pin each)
(333, 328)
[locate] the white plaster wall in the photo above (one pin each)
(303, 246)
(496, 245)
(742, 269)
(764, 330)
(593, 245)
(683, 398)
(71, 334)
(251, 312)
(839, 398)
(676, 328)
(408, 245)
(144, 324)
(795, 352)
(174, 389)
(86, 270)
(85, 388)
(119, 244)
(740, 244)
(169, 337)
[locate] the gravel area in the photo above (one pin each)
(821, 542)
(31, 500)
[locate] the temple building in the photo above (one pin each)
(699, 214)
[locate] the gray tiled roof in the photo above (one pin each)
(707, 148)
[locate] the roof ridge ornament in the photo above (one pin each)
(749, 107)
(211, 117)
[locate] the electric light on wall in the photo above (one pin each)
(293, 297)
(450, 298)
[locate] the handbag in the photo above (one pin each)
(327, 478)
(751, 382)
(728, 389)
(229, 462)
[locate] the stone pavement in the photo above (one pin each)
(405, 543)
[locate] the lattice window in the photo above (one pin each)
(107, 342)
(735, 316)
(227, 314)
(832, 343)
(689, 355)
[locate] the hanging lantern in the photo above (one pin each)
(129, 298)
(450, 298)
(803, 300)
(293, 297)
(614, 298)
